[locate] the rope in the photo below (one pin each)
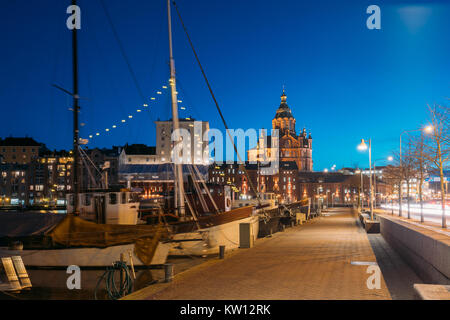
(122, 50)
(112, 290)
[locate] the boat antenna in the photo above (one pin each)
(179, 187)
(76, 108)
(215, 102)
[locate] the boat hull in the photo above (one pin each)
(226, 234)
(266, 228)
(84, 257)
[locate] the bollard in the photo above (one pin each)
(221, 252)
(283, 228)
(168, 271)
(292, 224)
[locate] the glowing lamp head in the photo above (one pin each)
(362, 146)
(428, 129)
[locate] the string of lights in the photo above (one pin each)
(131, 116)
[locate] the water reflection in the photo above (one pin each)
(52, 284)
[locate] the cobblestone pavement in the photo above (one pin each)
(312, 261)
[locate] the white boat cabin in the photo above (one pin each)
(107, 207)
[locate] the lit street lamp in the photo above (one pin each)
(362, 147)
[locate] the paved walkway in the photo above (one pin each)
(312, 261)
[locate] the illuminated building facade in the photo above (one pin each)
(291, 147)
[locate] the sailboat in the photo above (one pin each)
(202, 234)
(112, 232)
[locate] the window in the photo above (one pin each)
(71, 202)
(112, 198)
(87, 199)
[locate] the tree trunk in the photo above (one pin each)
(421, 199)
(441, 174)
(400, 196)
(407, 198)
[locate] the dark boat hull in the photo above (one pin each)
(266, 228)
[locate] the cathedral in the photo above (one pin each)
(292, 147)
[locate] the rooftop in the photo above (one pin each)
(139, 149)
(19, 142)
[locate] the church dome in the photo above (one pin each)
(284, 111)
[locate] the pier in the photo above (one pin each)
(326, 258)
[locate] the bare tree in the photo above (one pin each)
(421, 164)
(393, 177)
(409, 169)
(437, 147)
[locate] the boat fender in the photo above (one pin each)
(207, 239)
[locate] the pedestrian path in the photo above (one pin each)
(312, 261)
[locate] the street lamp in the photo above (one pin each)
(360, 200)
(362, 147)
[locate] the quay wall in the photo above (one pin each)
(426, 251)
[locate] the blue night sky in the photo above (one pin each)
(343, 81)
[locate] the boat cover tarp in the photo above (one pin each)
(76, 232)
(25, 224)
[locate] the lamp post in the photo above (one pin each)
(360, 200)
(363, 146)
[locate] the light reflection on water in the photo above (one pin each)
(34, 211)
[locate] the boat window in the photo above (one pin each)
(112, 198)
(87, 199)
(124, 197)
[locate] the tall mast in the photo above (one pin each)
(179, 187)
(76, 108)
